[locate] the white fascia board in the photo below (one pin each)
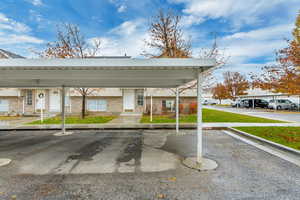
(116, 63)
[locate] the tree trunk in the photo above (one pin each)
(220, 101)
(83, 106)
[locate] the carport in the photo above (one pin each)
(108, 73)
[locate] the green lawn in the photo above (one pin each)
(75, 120)
(209, 115)
(288, 136)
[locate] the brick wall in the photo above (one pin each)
(114, 104)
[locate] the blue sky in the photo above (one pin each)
(249, 32)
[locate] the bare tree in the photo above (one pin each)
(71, 43)
(214, 52)
(166, 37)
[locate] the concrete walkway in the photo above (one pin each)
(146, 126)
(126, 119)
(4, 124)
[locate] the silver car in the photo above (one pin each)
(281, 104)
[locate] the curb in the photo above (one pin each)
(262, 140)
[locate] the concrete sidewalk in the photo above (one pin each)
(7, 124)
(126, 119)
(144, 126)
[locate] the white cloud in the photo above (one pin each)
(12, 25)
(17, 39)
(238, 12)
(35, 16)
(127, 38)
(244, 46)
(36, 2)
(15, 33)
(127, 27)
(122, 8)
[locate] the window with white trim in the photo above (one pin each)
(4, 105)
(140, 99)
(168, 105)
(29, 97)
(97, 105)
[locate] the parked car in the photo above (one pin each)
(236, 103)
(209, 102)
(245, 103)
(282, 104)
(258, 103)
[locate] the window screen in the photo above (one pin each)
(97, 105)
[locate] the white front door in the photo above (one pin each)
(40, 102)
(128, 100)
(4, 105)
(54, 101)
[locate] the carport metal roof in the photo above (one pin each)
(106, 72)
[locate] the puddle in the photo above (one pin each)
(114, 153)
(132, 151)
(87, 152)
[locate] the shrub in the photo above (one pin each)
(181, 108)
(193, 107)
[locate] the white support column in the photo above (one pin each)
(23, 105)
(63, 107)
(42, 107)
(151, 108)
(177, 110)
(145, 101)
(199, 118)
(63, 114)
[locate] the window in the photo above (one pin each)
(288, 101)
(140, 99)
(97, 105)
(29, 97)
(168, 105)
(67, 100)
(4, 106)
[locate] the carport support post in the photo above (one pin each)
(151, 108)
(63, 115)
(199, 117)
(177, 110)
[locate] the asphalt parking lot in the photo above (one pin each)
(139, 165)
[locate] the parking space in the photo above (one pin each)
(139, 165)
